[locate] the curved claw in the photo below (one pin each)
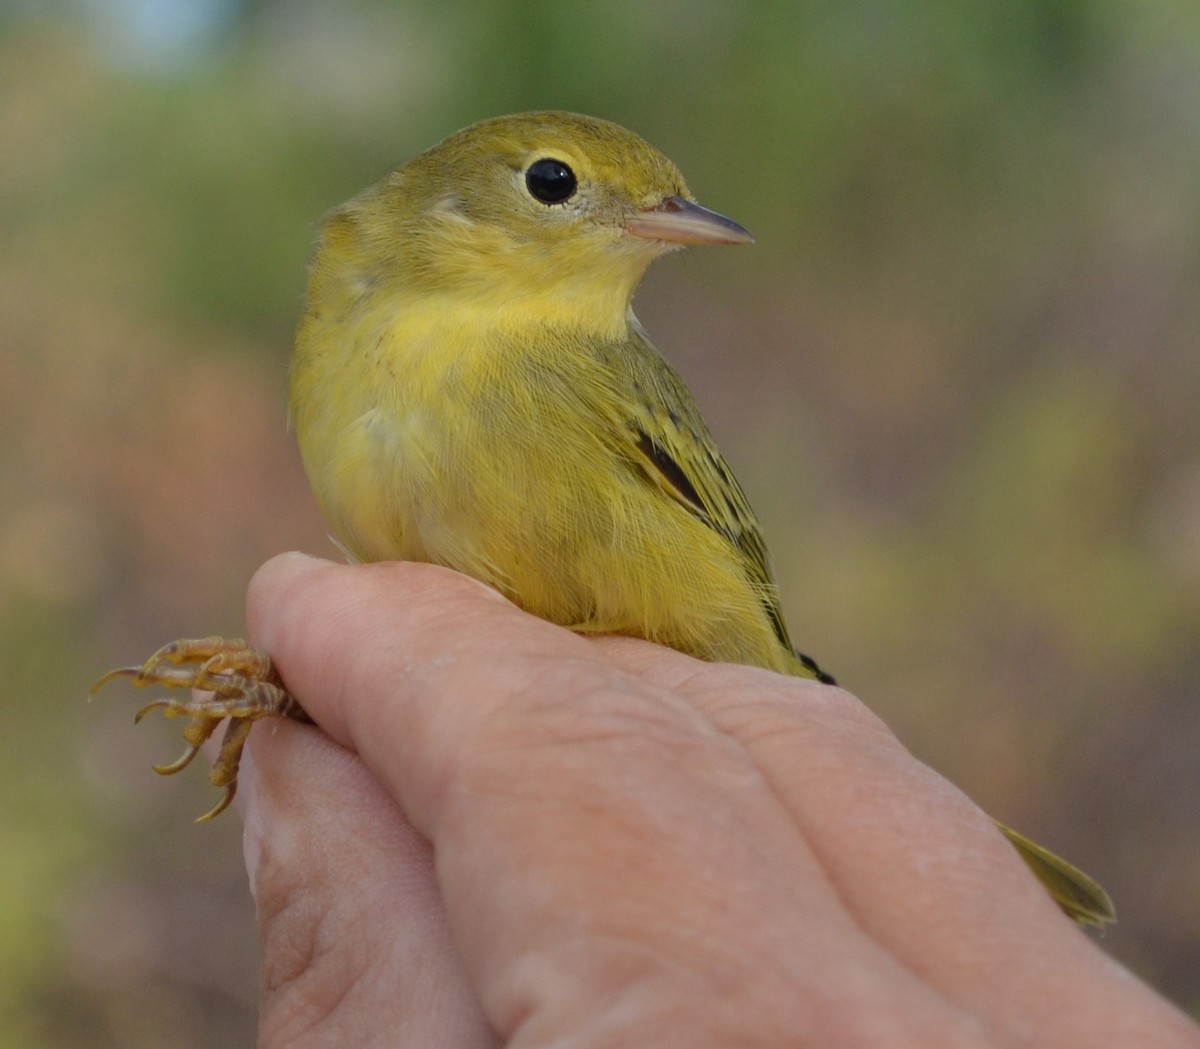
(156, 704)
(112, 675)
(222, 805)
(180, 763)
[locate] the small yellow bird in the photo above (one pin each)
(470, 387)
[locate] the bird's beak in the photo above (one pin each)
(680, 221)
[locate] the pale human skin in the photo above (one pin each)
(633, 848)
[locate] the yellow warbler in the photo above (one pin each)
(470, 387)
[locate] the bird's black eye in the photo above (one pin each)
(550, 181)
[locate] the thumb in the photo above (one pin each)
(355, 948)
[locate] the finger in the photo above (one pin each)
(503, 736)
(906, 850)
(355, 947)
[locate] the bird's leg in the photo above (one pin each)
(241, 684)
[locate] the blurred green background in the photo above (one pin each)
(958, 375)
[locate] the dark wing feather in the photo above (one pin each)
(661, 430)
(673, 445)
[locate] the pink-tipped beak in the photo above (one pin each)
(680, 221)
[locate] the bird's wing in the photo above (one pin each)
(670, 441)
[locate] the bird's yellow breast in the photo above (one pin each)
(461, 437)
(421, 420)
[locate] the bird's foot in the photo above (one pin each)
(241, 685)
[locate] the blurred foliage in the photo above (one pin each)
(958, 375)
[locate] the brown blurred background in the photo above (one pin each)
(958, 375)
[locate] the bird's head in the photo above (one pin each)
(545, 210)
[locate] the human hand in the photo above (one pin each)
(508, 834)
